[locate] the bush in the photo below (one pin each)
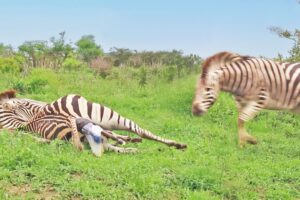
(20, 86)
(143, 77)
(72, 64)
(36, 85)
(102, 65)
(170, 73)
(11, 64)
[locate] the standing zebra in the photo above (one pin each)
(73, 107)
(256, 83)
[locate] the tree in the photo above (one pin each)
(59, 50)
(34, 51)
(121, 56)
(293, 36)
(6, 50)
(87, 48)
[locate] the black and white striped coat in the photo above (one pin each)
(256, 83)
(69, 108)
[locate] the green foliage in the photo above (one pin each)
(6, 50)
(212, 167)
(34, 51)
(126, 57)
(293, 36)
(72, 63)
(88, 49)
(60, 50)
(11, 64)
(143, 77)
(170, 73)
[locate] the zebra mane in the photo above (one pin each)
(8, 94)
(219, 60)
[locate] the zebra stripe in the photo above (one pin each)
(257, 83)
(78, 107)
(75, 106)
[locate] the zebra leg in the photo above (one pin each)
(108, 146)
(75, 135)
(247, 112)
(244, 137)
(121, 123)
(111, 135)
(121, 139)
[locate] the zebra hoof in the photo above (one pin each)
(130, 150)
(136, 140)
(247, 139)
(180, 146)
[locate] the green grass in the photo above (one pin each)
(213, 167)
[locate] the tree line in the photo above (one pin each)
(57, 53)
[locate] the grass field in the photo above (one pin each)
(213, 167)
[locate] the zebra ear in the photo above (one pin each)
(8, 94)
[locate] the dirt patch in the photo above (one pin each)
(46, 193)
(18, 190)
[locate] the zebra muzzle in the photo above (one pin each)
(93, 135)
(196, 109)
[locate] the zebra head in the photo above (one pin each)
(8, 118)
(23, 109)
(207, 91)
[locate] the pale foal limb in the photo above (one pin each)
(108, 146)
(121, 139)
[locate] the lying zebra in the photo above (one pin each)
(42, 118)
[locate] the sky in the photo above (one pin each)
(201, 27)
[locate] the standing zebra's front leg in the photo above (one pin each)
(248, 109)
(246, 112)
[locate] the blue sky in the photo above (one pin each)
(199, 27)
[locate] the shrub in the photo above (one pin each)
(20, 86)
(143, 77)
(11, 64)
(170, 73)
(72, 63)
(36, 85)
(102, 65)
